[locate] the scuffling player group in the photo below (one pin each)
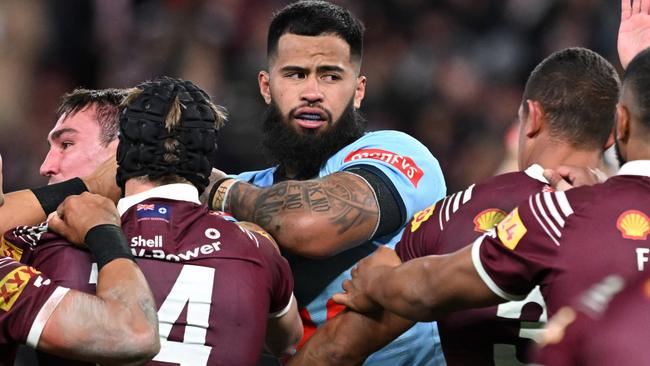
(346, 251)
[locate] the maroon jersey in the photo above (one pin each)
(611, 327)
(215, 283)
(566, 241)
(27, 299)
(486, 336)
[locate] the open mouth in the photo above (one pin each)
(310, 118)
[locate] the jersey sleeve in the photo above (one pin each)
(411, 170)
(27, 299)
(515, 257)
(421, 235)
(281, 278)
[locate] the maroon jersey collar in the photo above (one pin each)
(176, 191)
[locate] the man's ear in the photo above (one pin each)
(610, 139)
(360, 91)
(263, 79)
(622, 123)
(535, 119)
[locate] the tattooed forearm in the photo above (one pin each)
(342, 206)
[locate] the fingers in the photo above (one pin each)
(56, 224)
(342, 298)
(626, 9)
(636, 6)
(556, 180)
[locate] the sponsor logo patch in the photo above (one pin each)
(421, 217)
(633, 224)
(8, 249)
(487, 219)
(153, 212)
(13, 284)
(404, 164)
(511, 230)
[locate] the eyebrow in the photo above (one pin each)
(319, 69)
(56, 134)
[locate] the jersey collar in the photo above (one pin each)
(636, 167)
(536, 171)
(176, 191)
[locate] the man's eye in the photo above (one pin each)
(331, 77)
(296, 75)
(65, 145)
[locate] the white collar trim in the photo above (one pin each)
(176, 191)
(536, 171)
(636, 167)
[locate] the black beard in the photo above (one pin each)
(619, 156)
(304, 153)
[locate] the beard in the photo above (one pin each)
(303, 153)
(619, 156)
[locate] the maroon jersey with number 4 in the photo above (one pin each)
(611, 326)
(490, 335)
(27, 299)
(215, 283)
(566, 241)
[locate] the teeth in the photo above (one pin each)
(310, 116)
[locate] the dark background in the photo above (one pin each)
(449, 72)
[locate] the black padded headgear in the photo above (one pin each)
(143, 133)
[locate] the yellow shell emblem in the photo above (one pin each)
(421, 217)
(487, 219)
(633, 224)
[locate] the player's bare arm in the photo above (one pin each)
(313, 218)
(634, 31)
(349, 337)
(119, 324)
(30, 207)
(422, 289)
(284, 332)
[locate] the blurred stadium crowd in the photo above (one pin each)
(449, 72)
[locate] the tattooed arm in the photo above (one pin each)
(315, 218)
(119, 323)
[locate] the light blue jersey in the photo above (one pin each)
(416, 176)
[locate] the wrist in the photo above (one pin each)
(107, 242)
(218, 198)
(377, 283)
(51, 196)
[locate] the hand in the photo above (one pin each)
(634, 32)
(215, 176)
(365, 274)
(78, 214)
(566, 177)
(102, 180)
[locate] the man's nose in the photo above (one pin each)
(312, 92)
(50, 165)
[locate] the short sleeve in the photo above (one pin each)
(411, 169)
(280, 276)
(516, 256)
(421, 235)
(27, 299)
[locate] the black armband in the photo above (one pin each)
(51, 196)
(107, 242)
(392, 213)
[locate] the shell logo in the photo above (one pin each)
(633, 224)
(487, 219)
(421, 217)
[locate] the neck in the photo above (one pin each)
(133, 186)
(552, 155)
(638, 148)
